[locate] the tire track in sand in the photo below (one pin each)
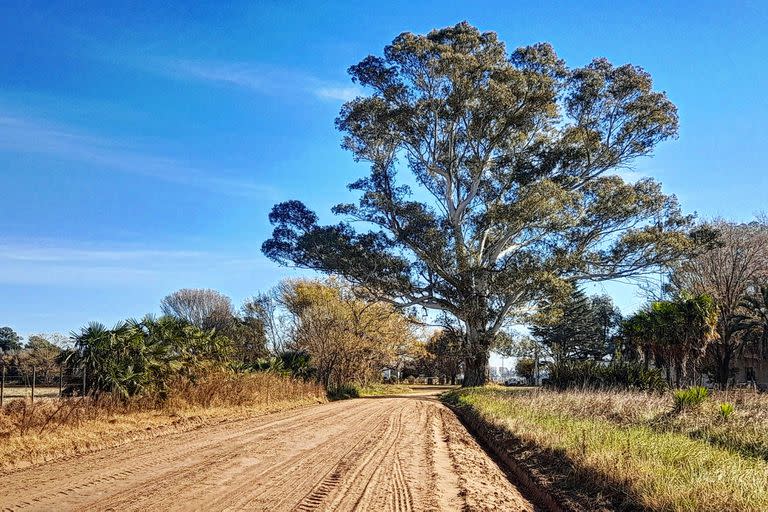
(403, 454)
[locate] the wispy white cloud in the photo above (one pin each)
(338, 93)
(632, 175)
(27, 135)
(258, 79)
(29, 253)
(41, 262)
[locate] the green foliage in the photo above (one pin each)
(525, 368)
(690, 398)
(515, 155)
(591, 374)
(756, 321)
(578, 327)
(675, 332)
(725, 409)
(142, 357)
(9, 340)
(298, 363)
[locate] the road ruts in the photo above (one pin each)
(402, 454)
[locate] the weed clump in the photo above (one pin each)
(690, 398)
(725, 410)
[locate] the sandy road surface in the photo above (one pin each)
(405, 453)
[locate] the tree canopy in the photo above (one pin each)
(9, 340)
(579, 327)
(676, 332)
(347, 339)
(513, 194)
(729, 272)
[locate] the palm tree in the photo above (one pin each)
(675, 332)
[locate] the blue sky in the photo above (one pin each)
(142, 146)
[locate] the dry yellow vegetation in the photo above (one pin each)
(51, 429)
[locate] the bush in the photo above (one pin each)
(343, 392)
(725, 410)
(595, 375)
(690, 398)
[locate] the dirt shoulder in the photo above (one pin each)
(404, 453)
(67, 442)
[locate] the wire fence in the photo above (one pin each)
(40, 382)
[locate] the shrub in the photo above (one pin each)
(690, 398)
(596, 375)
(343, 392)
(725, 410)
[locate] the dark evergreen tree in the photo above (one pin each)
(579, 327)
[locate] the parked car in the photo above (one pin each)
(516, 381)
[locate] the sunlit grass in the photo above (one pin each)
(631, 446)
(384, 389)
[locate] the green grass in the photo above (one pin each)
(624, 450)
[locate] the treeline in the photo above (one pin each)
(714, 311)
(316, 330)
(718, 312)
(41, 352)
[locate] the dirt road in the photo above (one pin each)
(405, 453)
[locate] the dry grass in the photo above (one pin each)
(41, 392)
(629, 450)
(49, 429)
(384, 389)
(745, 431)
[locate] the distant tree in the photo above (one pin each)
(347, 339)
(506, 344)
(516, 345)
(607, 318)
(756, 305)
(515, 159)
(405, 351)
(445, 349)
(577, 328)
(40, 353)
(203, 308)
(727, 273)
(9, 340)
(525, 367)
(266, 307)
(248, 334)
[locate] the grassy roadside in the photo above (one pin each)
(385, 389)
(54, 429)
(597, 458)
(355, 391)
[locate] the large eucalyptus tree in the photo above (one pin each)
(512, 193)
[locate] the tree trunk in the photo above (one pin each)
(678, 373)
(722, 364)
(475, 366)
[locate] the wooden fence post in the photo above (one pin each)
(83, 381)
(61, 380)
(2, 387)
(34, 377)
